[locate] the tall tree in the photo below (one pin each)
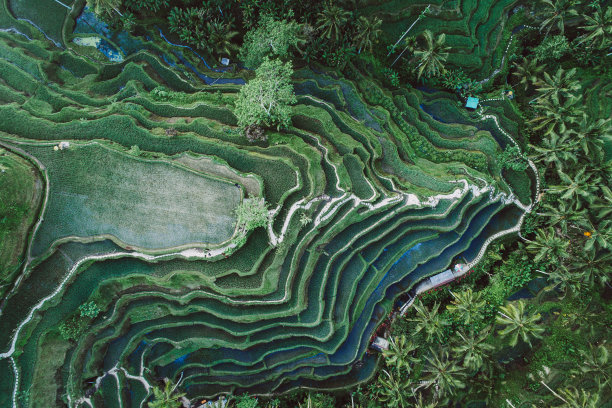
(219, 38)
(431, 57)
(518, 322)
(331, 20)
(553, 116)
(557, 149)
(271, 38)
(368, 32)
(591, 134)
(395, 390)
(579, 189)
(400, 353)
(442, 372)
(561, 83)
(166, 397)
(528, 71)
(428, 321)
(598, 28)
(548, 246)
(104, 7)
(555, 13)
(468, 305)
(266, 100)
(473, 348)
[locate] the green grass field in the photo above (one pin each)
(96, 191)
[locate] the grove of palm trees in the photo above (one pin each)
(328, 203)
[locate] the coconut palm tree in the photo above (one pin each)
(101, 7)
(602, 207)
(599, 235)
(566, 281)
(166, 397)
(593, 266)
(591, 134)
(574, 398)
(597, 364)
(582, 187)
(428, 321)
(442, 372)
(219, 35)
(548, 245)
(518, 323)
(528, 71)
(554, 14)
(561, 83)
(400, 353)
(562, 214)
(468, 305)
(473, 348)
(556, 116)
(368, 32)
(598, 28)
(555, 149)
(331, 20)
(395, 390)
(430, 59)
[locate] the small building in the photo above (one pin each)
(64, 145)
(225, 61)
(472, 103)
(380, 344)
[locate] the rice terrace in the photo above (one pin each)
(280, 203)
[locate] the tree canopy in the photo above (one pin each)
(271, 38)
(266, 99)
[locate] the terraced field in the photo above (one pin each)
(474, 28)
(370, 193)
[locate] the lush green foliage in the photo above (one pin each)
(266, 99)
(271, 38)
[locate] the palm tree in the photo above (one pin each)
(591, 134)
(565, 280)
(562, 83)
(603, 205)
(600, 234)
(528, 71)
(597, 365)
(428, 321)
(166, 397)
(331, 20)
(583, 187)
(574, 398)
(101, 7)
(598, 28)
(562, 214)
(547, 245)
(555, 149)
(468, 305)
(555, 13)
(431, 58)
(420, 403)
(440, 370)
(474, 349)
(518, 323)
(593, 266)
(556, 116)
(395, 390)
(368, 31)
(400, 353)
(219, 39)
